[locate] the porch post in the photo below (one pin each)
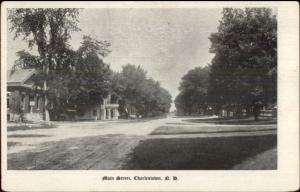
(115, 113)
(102, 113)
(108, 113)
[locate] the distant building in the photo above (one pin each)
(25, 100)
(104, 111)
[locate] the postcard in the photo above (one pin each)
(150, 96)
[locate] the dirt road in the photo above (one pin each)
(109, 144)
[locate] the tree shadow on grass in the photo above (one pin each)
(27, 135)
(233, 121)
(26, 127)
(219, 153)
(12, 144)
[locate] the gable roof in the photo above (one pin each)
(18, 78)
(20, 75)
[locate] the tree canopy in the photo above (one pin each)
(78, 79)
(243, 71)
(193, 91)
(140, 92)
(49, 30)
(90, 80)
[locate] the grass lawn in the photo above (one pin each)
(219, 153)
(26, 135)
(173, 130)
(12, 144)
(234, 121)
(23, 126)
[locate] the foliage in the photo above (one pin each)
(26, 60)
(73, 79)
(193, 91)
(78, 79)
(243, 71)
(85, 84)
(144, 94)
(91, 80)
(49, 30)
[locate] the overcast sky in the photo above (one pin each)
(165, 42)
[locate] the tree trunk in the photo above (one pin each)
(239, 111)
(46, 111)
(256, 111)
(228, 111)
(248, 111)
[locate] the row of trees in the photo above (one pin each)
(78, 79)
(243, 72)
(135, 90)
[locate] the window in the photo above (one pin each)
(7, 97)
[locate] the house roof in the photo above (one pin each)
(20, 75)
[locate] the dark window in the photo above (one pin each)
(31, 99)
(8, 96)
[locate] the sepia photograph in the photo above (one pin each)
(123, 88)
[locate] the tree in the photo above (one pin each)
(26, 61)
(117, 87)
(85, 84)
(90, 81)
(132, 80)
(163, 100)
(79, 79)
(144, 94)
(193, 91)
(243, 71)
(49, 30)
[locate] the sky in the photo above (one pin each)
(167, 43)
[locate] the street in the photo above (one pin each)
(121, 144)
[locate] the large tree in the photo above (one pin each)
(193, 92)
(49, 31)
(90, 81)
(79, 79)
(84, 84)
(244, 69)
(134, 89)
